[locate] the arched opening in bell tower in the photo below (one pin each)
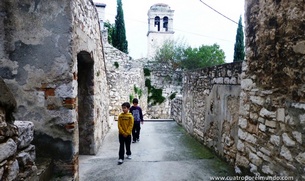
(165, 23)
(157, 22)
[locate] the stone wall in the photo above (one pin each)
(272, 112)
(163, 76)
(208, 108)
(261, 128)
(51, 57)
(17, 154)
(124, 74)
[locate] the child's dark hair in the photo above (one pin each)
(135, 100)
(126, 104)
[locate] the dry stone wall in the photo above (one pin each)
(17, 154)
(169, 80)
(208, 107)
(124, 74)
(261, 129)
(271, 123)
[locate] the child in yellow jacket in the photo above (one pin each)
(125, 125)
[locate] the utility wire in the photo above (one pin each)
(218, 12)
(175, 29)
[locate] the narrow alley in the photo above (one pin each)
(165, 153)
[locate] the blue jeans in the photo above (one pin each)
(124, 142)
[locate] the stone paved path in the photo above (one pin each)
(165, 153)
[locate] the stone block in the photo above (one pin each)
(233, 80)
(285, 152)
(267, 170)
(257, 100)
(280, 114)
(251, 139)
(242, 161)
(255, 159)
(301, 158)
(241, 134)
(7, 149)
(252, 128)
(267, 114)
(13, 170)
(240, 146)
(25, 132)
(298, 136)
(264, 157)
(226, 80)
(275, 140)
(287, 140)
(271, 124)
(262, 127)
(242, 123)
(67, 90)
(265, 151)
(247, 84)
(253, 168)
(299, 47)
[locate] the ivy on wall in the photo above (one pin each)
(172, 96)
(138, 93)
(116, 64)
(146, 72)
(154, 95)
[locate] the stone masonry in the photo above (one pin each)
(51, 58)
(163, 76)
(123, 75)
(208, 107)
(271, 121)
(17, 154)
(261, 128)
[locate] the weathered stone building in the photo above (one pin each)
(53, 61)
(260, 129)
(51, 57)
(273, 93)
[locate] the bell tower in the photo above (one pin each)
(160, 27)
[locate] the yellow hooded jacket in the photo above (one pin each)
(125, 124)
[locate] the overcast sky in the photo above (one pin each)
(194, 23)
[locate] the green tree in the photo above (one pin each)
(179, 55)
(119, 36)
(204, 56)
(171, 52)
(239, 47)
(110, 29)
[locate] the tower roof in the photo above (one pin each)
(160, 6)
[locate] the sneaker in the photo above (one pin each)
(120, 161)
(128, 156)
(138, 140)
(133, 141)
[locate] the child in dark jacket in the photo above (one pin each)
(136, 111)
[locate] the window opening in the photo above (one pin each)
(157, 22)
(165, 23)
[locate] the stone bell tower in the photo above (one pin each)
(160, 27)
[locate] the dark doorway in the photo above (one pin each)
(85, 111)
